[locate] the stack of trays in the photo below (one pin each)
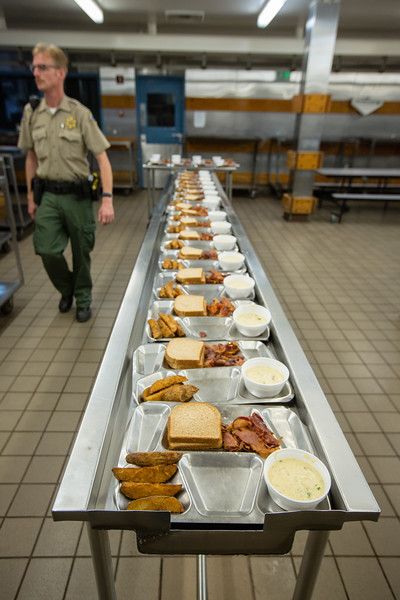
(209, 476)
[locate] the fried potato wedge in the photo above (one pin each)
(143, 490)
(161, 384)
(150, 459)
(156, 474)
(168, 503)
(169, 321)
(155, 329)
(165, 330)
(179, 393)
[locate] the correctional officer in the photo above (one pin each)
(56, 136)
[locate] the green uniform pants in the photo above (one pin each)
(60, 218)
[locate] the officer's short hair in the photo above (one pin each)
(58, 55)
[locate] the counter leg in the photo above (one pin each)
(102, 563)
(201, 577)
(309, 568)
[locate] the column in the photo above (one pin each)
(311, 105)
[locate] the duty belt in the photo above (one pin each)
(79, 188)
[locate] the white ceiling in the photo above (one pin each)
(359, 18)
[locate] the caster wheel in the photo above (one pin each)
(6, 248)
(19, 234)
(7, 307)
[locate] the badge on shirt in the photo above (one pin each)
(70, 122)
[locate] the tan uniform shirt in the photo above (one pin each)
(61, 140)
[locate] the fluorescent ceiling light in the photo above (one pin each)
(91, 9)
(269, 12)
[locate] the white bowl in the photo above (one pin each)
(260, 314)
(219, 227)
(289, 503)
(264, 390)
(217, 215)
(239, 286)
(211, 204)
(230, 261)
(224, 242)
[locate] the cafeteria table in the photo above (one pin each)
(346, 186)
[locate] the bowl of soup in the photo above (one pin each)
(224, 242)
(230, 260)
(264, 377)
(217, 215)
(239, 286)
(220, 227)
(296, 479)
(251, 319)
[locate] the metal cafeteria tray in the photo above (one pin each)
(175, 236)
(165, 277)
(208, 290)
(209, 478)
(201, 222)
(202, 244)
(205, 245)
(209, 265)
(206, 328)
(149, 358)
(220, 385)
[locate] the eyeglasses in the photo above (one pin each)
(42, 68)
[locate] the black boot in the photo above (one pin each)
(83, 314)
(65, 304)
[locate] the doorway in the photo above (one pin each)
(160, 107)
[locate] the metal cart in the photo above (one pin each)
(126, 146)
(22, 218)
(88, 489)
(8, 239)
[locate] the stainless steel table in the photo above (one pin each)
(87, 491)
(152, 168)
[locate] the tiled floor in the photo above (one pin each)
(340, 287)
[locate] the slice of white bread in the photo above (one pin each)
(197, 426)
(182, 205)
(189, 305)
(189, 234)
(186, 355)
(191, 276)
(190, 212)
(188, 221)
(189, 253)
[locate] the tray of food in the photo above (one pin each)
(189, 235)
(187, 353)
(173, 245)
(184, 233)
(188, 458)
(177, 280)
(188, 221)
(179, 227)
(165, 385)
(191, 315)
(190, 254)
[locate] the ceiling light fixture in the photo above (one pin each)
(269, 12)
(91, 9)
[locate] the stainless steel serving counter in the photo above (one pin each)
(87, 491)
